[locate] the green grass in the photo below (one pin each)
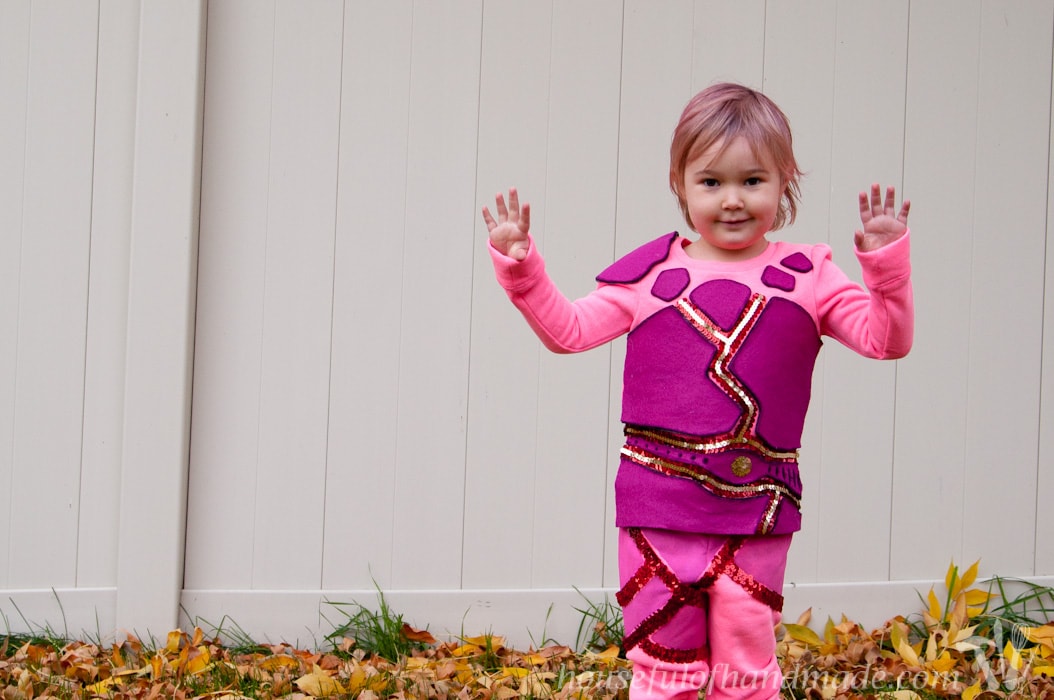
(380, 632)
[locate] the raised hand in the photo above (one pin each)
(881, 223)
(508, 234)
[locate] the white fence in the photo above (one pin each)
(365, 409)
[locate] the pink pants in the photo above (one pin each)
(701, 611)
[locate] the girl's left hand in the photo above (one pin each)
(881, 225)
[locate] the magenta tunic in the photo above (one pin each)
(719, 362)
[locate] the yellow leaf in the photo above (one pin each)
(970, 576)
(903, 649)
(802, 633)
(514, 671)
(174, 638)
(1044, 670)
(467, 650)
(943, 663)
(972, 692)
(1040, 635)
(829, 632)
(935, 606)
(273, 663)
(931, 648)
(200, 662)
(102, 687)
(486, 641)
(415, 663)
(1012, 656)
(950, 577)
(319, 684)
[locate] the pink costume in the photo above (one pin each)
(719, 362)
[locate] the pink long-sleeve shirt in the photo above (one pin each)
(719, 362)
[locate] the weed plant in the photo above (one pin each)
(381, 632)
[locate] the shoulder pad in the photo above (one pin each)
(633, 266)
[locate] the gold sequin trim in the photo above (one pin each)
(728, 344)
(764, 487)
(722, 443)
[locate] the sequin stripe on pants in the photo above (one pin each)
(684, 596)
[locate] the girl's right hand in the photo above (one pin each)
(508, 234)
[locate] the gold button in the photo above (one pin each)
(741, 466)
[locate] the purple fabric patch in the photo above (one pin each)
(777, 279)
(633, 266)
(722, 300)
(797, 262)
(666, 383)
(775, 364)
(670, 283)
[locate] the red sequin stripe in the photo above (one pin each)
(681, 595)
(724, 563)
(652, 623)
(652, 566)
(673, 656)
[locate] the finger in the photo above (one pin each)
(518, 251)
(488, 219)
(891, 200)
(858, 240)
(876, 199)
(514, 203)
(865, 208)
(525, 218)
(905, 207)
(503, 211)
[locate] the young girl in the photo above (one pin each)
(724, 331)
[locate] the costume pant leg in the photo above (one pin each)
(744, 611)
(669, 583)
(664, 613)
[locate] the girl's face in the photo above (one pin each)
(733, 197)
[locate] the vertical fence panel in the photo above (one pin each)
(161, 292)
(108, 293)
(929, 459)
(297, 299)
(503, 454)
(436, 287)
(571, 489)
(721, 55)
(52, 296)
(367, 294)
(1007, 284)
(14, 75)
(229, 322)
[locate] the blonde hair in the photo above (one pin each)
(718, 115)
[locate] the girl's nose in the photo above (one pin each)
(732, 200)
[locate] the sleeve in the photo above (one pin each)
(563, 326)
(879, 321)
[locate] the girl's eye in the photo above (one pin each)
(753, 181)
(709, 182)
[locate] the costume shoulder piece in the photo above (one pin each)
(633, 266)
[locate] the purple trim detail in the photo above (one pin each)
(797, 262)
(777, 279)
(633, 266)
(670, 283)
